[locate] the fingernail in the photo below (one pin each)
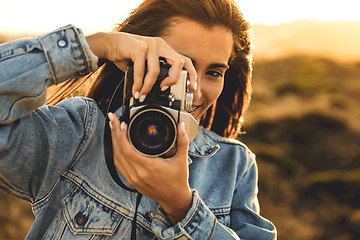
(122, 125)
(164, 88)
(110, 124)
(195, 86)
(111, 117)
(142, 98)
(136, 96)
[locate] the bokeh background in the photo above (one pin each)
(303, 122)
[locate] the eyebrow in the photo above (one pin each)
(218, 65)
(213, 65)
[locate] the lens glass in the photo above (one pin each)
(152, 131)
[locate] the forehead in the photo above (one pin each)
(201, 43)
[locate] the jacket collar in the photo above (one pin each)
(200, 146)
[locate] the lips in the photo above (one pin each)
(193, 109)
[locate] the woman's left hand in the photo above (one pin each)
(163, 180)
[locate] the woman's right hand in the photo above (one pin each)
(121, 48)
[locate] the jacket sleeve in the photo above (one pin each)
(28, 66)
(201, 223)
(32, 136)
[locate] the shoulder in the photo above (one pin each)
(229, 150)
(75, 110)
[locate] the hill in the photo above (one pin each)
(304, 126)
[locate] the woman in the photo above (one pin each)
(53, 156)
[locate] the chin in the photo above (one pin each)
(197, 114)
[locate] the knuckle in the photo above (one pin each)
(142, 47)
(179, 62)
(187, 60)
(158, 39)
(182, 61)
(143, 176)
(132, 180)
(151, 41)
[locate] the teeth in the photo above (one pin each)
(192, 109)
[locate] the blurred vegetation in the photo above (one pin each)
(16, 217)
(304, 126)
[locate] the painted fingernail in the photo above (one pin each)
(164, 88)
(122, 125)
(136, 96)
(111, 117)
(142, 98)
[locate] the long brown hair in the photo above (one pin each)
(153, 17)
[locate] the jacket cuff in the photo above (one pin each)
(68, 53)
(199, 223)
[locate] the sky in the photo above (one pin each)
(41, 16)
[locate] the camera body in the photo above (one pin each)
(152, 124)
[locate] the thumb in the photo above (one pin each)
(182, 141)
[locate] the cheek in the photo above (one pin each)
(213, 91)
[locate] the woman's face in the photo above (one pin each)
(209, 49)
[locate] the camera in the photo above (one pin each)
(152, 124)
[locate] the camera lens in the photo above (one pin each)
(152, 131)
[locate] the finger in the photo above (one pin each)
(114, 126)
(120, 160)
(123, 147)
(182, 142)
(189, 66)
(139, 69)
(153, 70)
(174, 71)
(119, 135)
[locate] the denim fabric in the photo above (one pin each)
(53, 157)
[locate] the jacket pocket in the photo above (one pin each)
(86, 215)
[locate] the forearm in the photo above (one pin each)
(28, 66)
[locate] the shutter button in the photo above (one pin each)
(61, 43)
(81, 219)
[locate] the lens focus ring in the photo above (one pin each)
(188, 85)
(188, 101)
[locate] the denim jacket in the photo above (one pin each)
(53, 157)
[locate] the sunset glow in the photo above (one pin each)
(42, 16)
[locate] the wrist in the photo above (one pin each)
(96, 43)
(176, 210)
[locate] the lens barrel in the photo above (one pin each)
(152, 131)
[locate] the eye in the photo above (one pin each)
(216, 74)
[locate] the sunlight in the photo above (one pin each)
(42, 15)
(279, 11)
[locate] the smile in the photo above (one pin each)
(193, 109)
